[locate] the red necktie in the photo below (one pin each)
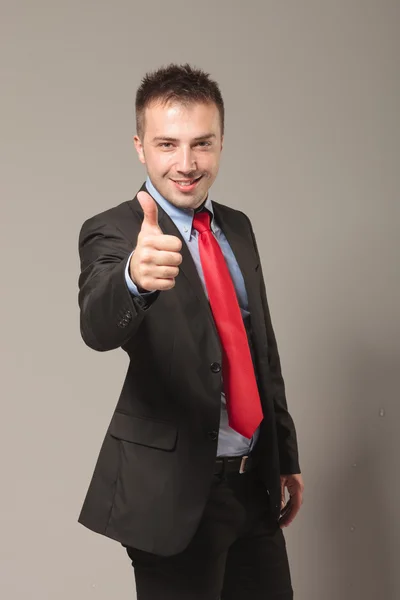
(240, 385)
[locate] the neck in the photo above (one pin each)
(199, 208)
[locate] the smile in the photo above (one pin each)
(187, 184)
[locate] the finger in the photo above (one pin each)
(167, 259)
(288, 517)
(283, 497)
(296, 499)
(159, 284)
(290, 511)
(149, 207)
(285, 521)
(163, 272)
(169, 243)
(285, 507)
(285, 514)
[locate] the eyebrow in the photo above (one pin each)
(172, 139)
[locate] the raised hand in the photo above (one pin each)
(155, 262)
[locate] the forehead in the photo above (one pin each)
(181, 120)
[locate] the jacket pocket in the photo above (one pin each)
(144, 431)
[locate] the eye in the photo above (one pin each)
(165, 145)
(204, 144)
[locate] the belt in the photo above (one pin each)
(234, 464)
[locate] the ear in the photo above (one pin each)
(222, 142)
(139, 149)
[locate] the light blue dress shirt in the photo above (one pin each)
(230, 442)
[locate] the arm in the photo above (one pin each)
(109, 313)
(287, 439)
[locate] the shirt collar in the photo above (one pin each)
(182, 217)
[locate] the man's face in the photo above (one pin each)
(181, 148)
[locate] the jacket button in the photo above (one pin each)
(213, 435)
(215, 367)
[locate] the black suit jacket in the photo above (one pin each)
(155, 466)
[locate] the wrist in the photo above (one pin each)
(142, 290)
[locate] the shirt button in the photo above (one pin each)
(215, 367)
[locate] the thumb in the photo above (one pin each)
(150, 211)
(283, 498)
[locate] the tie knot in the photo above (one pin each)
(202, 221)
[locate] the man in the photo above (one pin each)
(192, 473)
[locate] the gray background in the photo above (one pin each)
(312, 155)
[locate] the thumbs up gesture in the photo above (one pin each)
(154, 263)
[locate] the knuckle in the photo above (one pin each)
(146, 240)
(169, 284)
(147, 283)
(143, 269)
(146, 255)
(169, 272)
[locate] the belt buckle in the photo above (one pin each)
(242, 468)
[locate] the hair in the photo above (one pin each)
(176, 83)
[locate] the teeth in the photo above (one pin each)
(187, 183)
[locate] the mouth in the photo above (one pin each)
(186, 185)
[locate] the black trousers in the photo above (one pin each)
(237, 553)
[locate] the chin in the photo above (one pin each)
(185, 202)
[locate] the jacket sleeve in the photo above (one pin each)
(287, 438)
(109, 314)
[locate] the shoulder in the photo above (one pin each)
(224, 212)
(113, 215)
(124, 218)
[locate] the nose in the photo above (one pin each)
(186, 163)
